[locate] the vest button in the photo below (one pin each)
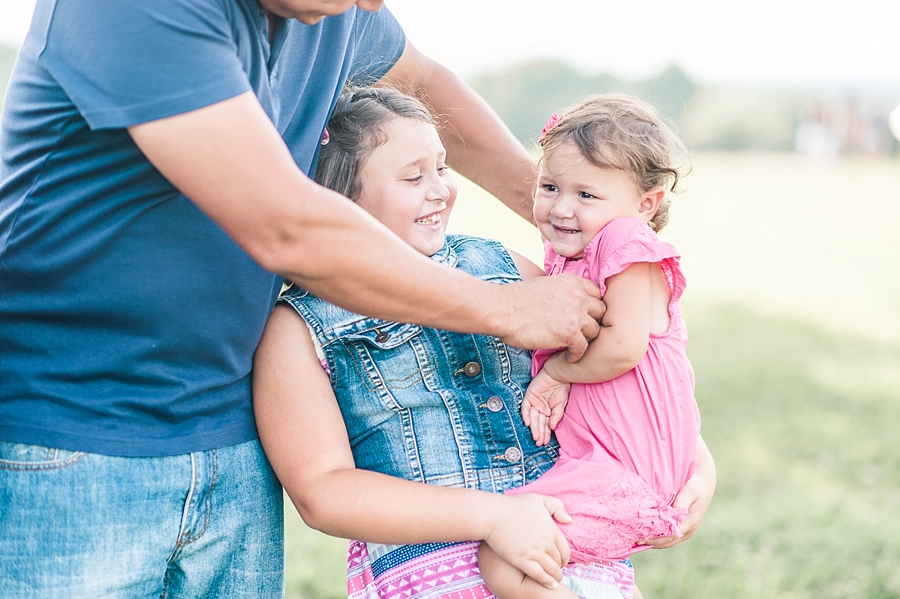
(472, 369)
(382, 337)
(513, 454)
(494, 404)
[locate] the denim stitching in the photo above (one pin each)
(43, 465)
(206, 505)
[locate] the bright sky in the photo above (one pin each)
(837, 42)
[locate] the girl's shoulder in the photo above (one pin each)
(622, 231)
(627, 241)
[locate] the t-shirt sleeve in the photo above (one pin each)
(380, 42)
(125, 62)
(627, 241)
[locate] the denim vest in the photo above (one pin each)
(427, 405)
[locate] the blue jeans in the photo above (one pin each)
(74, 524)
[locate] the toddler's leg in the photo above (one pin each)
(507, 582)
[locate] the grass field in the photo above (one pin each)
(793, 305)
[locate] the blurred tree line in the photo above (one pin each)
(706, 117)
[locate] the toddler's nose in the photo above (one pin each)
(562, 208)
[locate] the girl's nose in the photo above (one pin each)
(438, 190)
(562, 207)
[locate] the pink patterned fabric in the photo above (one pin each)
(443, 572)
(627, 445)
(450, 571)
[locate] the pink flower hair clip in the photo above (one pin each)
(554, 118)
(325, 137)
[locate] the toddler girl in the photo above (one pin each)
(355, 412)
(629, 437)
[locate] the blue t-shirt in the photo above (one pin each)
(128, 319)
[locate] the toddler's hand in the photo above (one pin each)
(544, 405)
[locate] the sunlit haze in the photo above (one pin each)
(767, 42)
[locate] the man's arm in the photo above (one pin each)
(478, 144)
(229, 160)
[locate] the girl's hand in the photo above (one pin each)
(544, 405)
(696, 496)
(526, 538)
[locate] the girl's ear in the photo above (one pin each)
(650, 202)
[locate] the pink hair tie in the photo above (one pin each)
(325, 137)
(554, 118)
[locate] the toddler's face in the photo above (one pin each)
(407, 186)
(575, 199)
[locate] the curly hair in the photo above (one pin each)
(621, 132)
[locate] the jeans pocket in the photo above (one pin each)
(21, 456)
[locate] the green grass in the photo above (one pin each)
(802, 424)
(316, 564)
(793, 307)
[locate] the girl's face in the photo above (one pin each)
(407, 186)
(575, 199)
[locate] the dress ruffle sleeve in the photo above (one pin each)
(627, 241)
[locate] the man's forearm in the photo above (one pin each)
(374, 273)
(229, 160)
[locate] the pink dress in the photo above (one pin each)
(627, 445)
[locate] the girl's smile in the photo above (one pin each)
(575, 199)
(432, 220)
(407, 186)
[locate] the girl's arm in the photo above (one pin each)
(302, 430)
(527, 268)
(624, 332)
(620, 346)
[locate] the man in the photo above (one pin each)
(153, 160)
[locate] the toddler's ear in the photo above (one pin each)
(650, 202)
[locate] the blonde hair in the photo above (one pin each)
(621, 132)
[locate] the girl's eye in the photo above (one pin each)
(443, 169)
(415, 179)
(585, 195)
(550, 188)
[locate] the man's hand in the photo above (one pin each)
(543, 406)
(562, 311)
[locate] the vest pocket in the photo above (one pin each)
(391, 356)
(383, 335)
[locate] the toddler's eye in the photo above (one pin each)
(443, 169)
(415, 179)
(586, 195)
(550, 188)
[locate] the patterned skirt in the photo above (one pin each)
(450, 571)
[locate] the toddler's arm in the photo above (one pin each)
(624, 333)
(620, 346)
(302, 430)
